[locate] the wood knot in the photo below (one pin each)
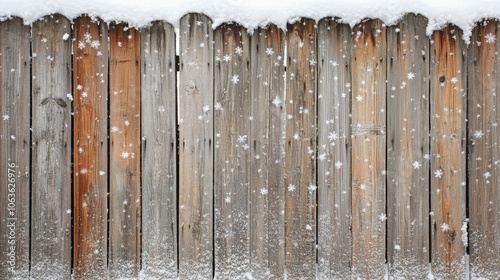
(442, 79)
(452, 234)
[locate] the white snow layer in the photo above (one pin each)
(254, 13)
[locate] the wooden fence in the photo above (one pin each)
(323, 152)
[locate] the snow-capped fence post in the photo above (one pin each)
(15, 148)
(484, 152)
(448, 144)
(51, 149)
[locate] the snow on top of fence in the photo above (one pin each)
(254, 13)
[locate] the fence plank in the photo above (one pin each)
(14, 152)
(90, 153)
(334, 150)
(407, 146)
(300, 147)
(448, 113)
(484, 151)
(51, 154)
(159, 150)
(196, 147)
(124, 158)
(368, 150)
(232, 159)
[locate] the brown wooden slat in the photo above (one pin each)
(407, 146)
(124, 158)
(159, 151)
(51, 150)
(448, 166)
(300, 147)
(368, 150)
(334, 150)
(14, 152)
(484, 151)
(196, 91)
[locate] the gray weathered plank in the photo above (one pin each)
(90, 149)
(368, 150)
(233, 152)
(159, 151)
(334, 149)
(448, 145)
(407, 148)
(51, 150)
(14, 148)
(300, 148)
(124, 158)
(196, 93)
(484, 151)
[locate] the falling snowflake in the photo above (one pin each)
(235, 79)
(242, 138)
(338, 164)
(228, 199)
(81, 45)
(312, 62)
(490, 38)
(206, 108)
(445, 227)
(438, 173)
(416, 165)
(382, 217)
(308, 227)
(487, 175)
(322, 157)
(218, 106)
(478, 134)
(6, 117)
(227, 58)
(245, 146)
(362, 186)
(115, 129)
(411, 75)
(291, 188)
(296, 136)
(312, 188)
(239, 50)
(359, 98)
(333, 136)
(454, 80)
(276, 101)
(125, 154)
(199, 23)
(269, 51)
(263, 191)
(79, 87)
(68, 211)
(95, 44)
(87, 37)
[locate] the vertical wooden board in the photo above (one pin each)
(267, 147)
(196, 93)
(334, 150)
(159, 151)
(407, 148)
(14, 148)
(300, 148)
(448, 138)
(90, 148)
(51, 150)
(368, 150)
(124, 161)
(232, 121)
(484, 151)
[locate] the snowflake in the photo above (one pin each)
(308, 227)
(206, 108)
(296, 136)
(338, 164)
(238, 50)
(322, 157)
(490, 38)
(95, 44)
(263, 191)
(382, 217)
(161, 109)
(445, 227)
(87, 37)
(235, 79)
(291, 188)
(362, 186)
(218, 106)
(242, 138)
(487, 175)
(79, 87)
(114, 129)
(312, 62)
(411, 75)
(227, 58)
(269, 51)
(6, 117)
(438, 173)
(199, 23)
(478, 134)
(416, 165)
(276, 101)
(68, 211)
(228, 199)
(359, 98)
(312, 188)
(125, 154)
(454, 80)
(245, 146)
(333, 136)
(81, 45)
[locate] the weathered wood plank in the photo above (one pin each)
(124, 158)
(407, 148)
(484, 151)
(448, 140)
(159, 151)
(196, 147)
(90, 148)
(368, 150)
(233, 152)
(334, 150)
(15, 102)
(51, 154)
(267, 187)
(300, 147)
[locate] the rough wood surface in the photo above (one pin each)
(233, 149)
(300, 148)
(407, 149)
(124, 158)
(448, 147)
(159, 151)
(267, 187)
(196, 93)
(484, 151)
(51, 149)
(334, 150)
(368, 149)
(90, 148)
(15, 174)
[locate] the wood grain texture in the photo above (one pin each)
(267, 185)
(51, 149)
(334, 150)
(90, 148)
(368, 149)
(448, 147)
(407, 148)
(484, 151)
(300, 148)
(15, 102)
(159, 151)
(124, 159)
(233, 152)
(196, 88)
